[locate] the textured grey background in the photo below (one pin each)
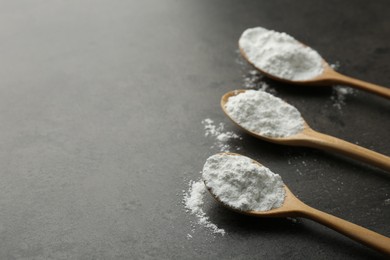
(100, 111)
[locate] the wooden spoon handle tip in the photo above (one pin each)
(360, 234)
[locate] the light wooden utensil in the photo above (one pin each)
(293, 207)
(311, 138)
(329, 77)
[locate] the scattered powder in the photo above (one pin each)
(254, 80)
(241, 183)
(210, 128)
(280, 55)
(339, 95)
(335, 65)
(194, 198)
(221, 136)
(387, 202)
(194, 201)
(265, 114)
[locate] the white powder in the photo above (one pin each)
(254, 80)
(241, 183)
(194, 202)
(335, 66)
(265, 114)
(280, 55)
(221, 136)
(210, 128)
(339, 95)
(194, 198)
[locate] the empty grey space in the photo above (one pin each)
(101, 104)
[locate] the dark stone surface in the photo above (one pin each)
(101, 104)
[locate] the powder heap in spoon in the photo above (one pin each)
(280, 55)
(243, 184)
(264, 114)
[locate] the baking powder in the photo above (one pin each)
(280, 55)
(241, 183)
(264, 114)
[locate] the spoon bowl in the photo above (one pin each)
(293, 207)
(326, 78)
(311, 138)
(289, 140)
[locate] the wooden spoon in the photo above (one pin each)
(311, 138)
(293, 207)
(329, 77)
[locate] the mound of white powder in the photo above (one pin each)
(264, 114)
(243, 184)
(280, 55)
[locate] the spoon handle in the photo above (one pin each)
(375, 89)
(318, 140)
(353, 231)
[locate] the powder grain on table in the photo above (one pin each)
(194, 203)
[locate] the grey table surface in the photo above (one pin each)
(101, 104)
